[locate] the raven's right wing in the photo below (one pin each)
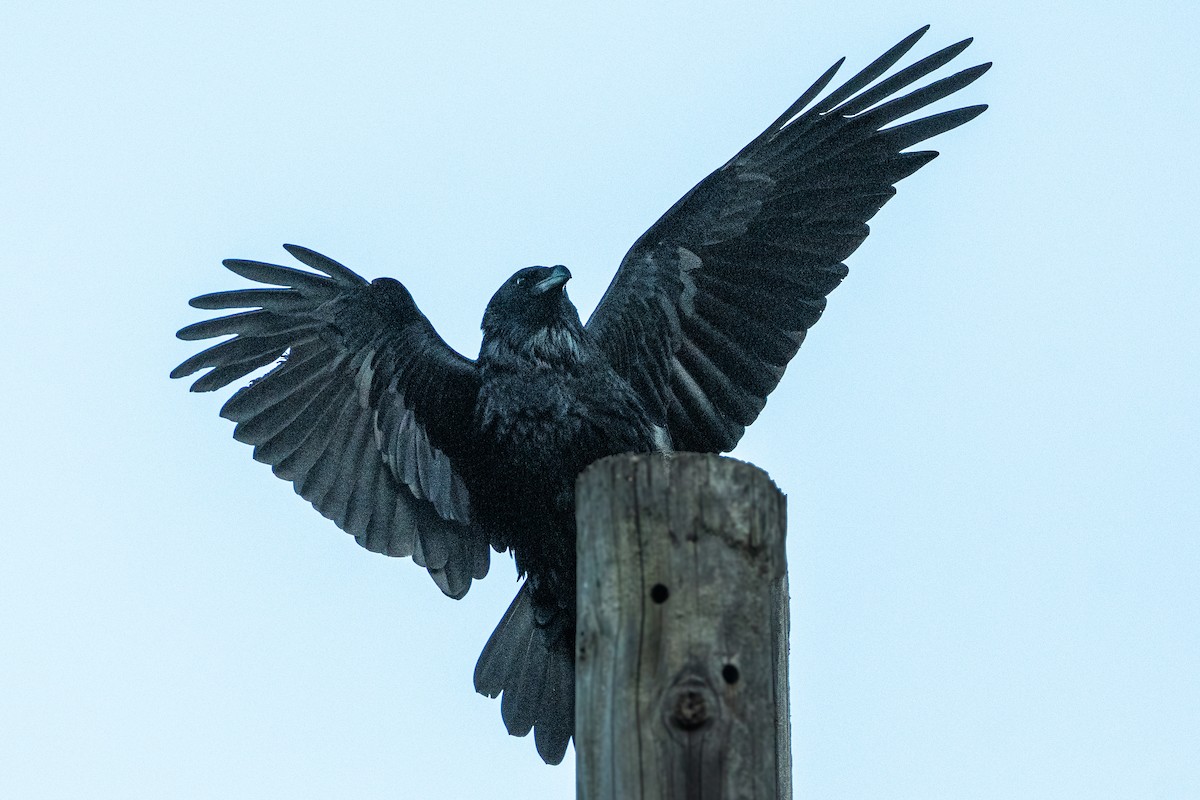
(367, 414)
(711, 303)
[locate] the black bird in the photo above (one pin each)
(418, 451)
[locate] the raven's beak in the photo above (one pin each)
(558, 276)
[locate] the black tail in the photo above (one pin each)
(533, 664)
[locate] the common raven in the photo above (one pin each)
(419, 451)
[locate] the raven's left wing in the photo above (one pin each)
(367, 414)
(711, 303)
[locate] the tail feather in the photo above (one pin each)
(506, 647)
(533, 666)
(556, 725)
(522, 696)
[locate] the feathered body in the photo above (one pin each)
(418, 451)
(549, 404)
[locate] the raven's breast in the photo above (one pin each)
(536, 430)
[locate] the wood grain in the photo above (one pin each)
(681, 654)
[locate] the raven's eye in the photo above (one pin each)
(519, 282)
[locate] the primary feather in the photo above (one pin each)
(418, 451)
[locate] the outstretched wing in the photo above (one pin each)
(366, 414)
(711, 303)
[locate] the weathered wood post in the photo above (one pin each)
(681, 654)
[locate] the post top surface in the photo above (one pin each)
(716, 465)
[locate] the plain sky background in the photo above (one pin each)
(989, 442)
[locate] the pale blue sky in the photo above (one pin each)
(989, 442)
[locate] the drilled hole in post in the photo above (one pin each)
(659, 593)
(730, 673)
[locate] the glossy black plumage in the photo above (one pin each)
(417, 450)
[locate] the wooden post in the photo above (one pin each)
(681, 653)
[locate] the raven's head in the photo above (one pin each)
(531, 313)
(532, 299)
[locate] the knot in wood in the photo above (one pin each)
(691, 705)
(691, 710)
